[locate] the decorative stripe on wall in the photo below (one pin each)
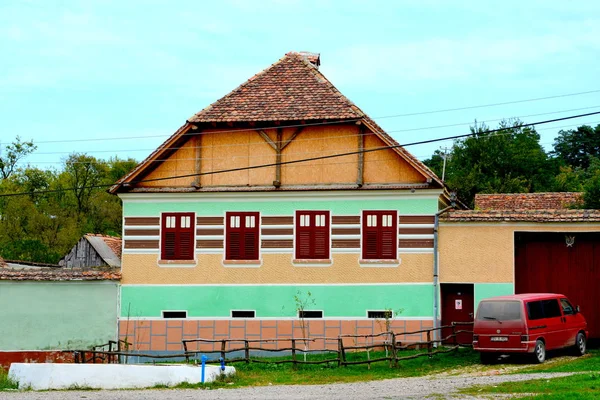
(277, 232)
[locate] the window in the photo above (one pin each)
(380, 235)
(310, 314)
(174, 314)
(312, 235)
(177, 236)
(243, 314)
(387, 314)
(499, 310)
(567, 307)
(543, 309)
(242, 234)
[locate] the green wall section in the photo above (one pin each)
(485, 290)
(276, 301)
(57, 315)
(343, 206)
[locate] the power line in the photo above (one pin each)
(301, 160)
(348, 120)
(490, 105)
(322, 137)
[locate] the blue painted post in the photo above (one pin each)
(222, 360)
(204, 358)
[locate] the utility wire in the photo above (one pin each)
(347, 120)
(321, 137)
(302, 160)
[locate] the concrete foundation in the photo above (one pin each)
(109, 376)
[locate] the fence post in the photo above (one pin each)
(247, 351)
(294, 352)
(339, 352)
(429, 346)
(343, 351)
(185, 349)
(454, 334)
(394, 351)
(223, 344)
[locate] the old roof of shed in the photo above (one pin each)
(528, 201)
(107, 247)
(291, 89)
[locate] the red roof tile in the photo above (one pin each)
(290, 89)
(113, 242)
(59, 274)
(527, 201)
(523, 216)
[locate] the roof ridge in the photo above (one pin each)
(245, 83)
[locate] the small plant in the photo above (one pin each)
(6, 383)
(385, 324)
(302, 303)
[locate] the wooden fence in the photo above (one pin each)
(240, 350)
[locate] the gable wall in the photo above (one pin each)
(220, 150)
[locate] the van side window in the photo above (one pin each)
(534, 310)
(567, 307)
(551, 308)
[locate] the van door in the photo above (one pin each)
(570, 321)
(545, 321)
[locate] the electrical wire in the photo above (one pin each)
(347, 120)
(301, 160)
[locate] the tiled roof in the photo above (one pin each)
(527, 201)
(523, 216)
(290, 89)
(59, 274)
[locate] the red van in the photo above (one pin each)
(528, 323)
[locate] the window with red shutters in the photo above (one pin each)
(380, 235)
(177, 236)
(242, 235)
(312, 235)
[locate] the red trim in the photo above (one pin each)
(380, 242)
(312, 241)
(177, 242)
(242, 240)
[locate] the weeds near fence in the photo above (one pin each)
(5, 382)
(331, 351)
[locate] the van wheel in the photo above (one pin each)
(580, 344)
(539, 353)
(487, 358)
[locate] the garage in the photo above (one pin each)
(561, 262)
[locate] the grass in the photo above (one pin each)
(589, 362)
(580, 386)
(5, 382)
(258, 374)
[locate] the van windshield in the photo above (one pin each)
(499, 310)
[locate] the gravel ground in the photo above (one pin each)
(401, 388)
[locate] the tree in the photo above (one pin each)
(83, 174)
(14, 152)
(575, 146)
(507, 161)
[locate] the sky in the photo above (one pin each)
(116, 78)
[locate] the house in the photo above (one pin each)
(48, 309)
(94, 250)
(281, 192)
(519, 243)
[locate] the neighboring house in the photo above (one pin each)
(94, 250)
(48, 309)
(224, 254)
(519, 243)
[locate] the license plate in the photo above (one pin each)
(499, 339)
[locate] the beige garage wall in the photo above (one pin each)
(484, 252)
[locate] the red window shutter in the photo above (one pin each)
(177, 239)
(380, 235)
(312, 235)
(242, 236)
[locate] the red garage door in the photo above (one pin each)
(567, 263)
